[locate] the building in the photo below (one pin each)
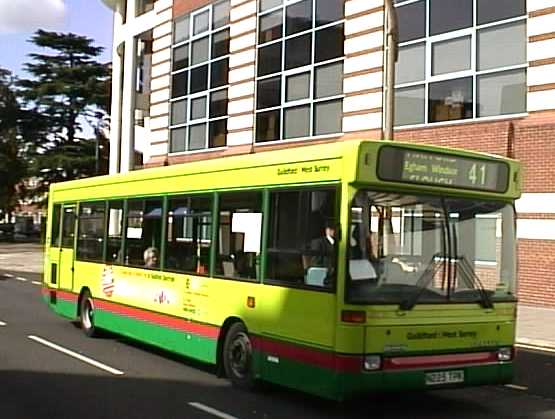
(198, 79)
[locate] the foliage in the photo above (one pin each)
(19, 130)
(69, 87)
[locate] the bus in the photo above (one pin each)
(336, 269)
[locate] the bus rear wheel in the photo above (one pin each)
(238, 357)
(86, 315)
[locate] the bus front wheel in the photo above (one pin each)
(86, 315)
(238, 357)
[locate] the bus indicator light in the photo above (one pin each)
(250, 302)
(372, 362)
(353, 316)
(505, 354)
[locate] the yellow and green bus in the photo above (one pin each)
(336, 269)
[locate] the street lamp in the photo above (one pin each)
(392, 37)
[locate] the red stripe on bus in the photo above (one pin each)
(433, 361)
(305, 355)
(159, 319)
(62, 295)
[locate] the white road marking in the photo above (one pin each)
(8, 275)
(80, 357)
(36, 283)
(20, 278)
(2, 324)
(516, 387)
(535, 348)
(211, 410)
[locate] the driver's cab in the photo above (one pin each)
(444, 248)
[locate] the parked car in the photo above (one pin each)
(6, 232)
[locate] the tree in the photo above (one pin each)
(19, 128)
(68, 88)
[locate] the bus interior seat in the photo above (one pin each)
(315, 276)
(229, 268)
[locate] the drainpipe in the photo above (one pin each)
(392, 54)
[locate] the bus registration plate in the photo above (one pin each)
(444, 377)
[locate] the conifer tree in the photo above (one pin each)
(69, 88)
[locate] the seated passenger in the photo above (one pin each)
(151, 257)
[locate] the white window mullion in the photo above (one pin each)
(312, 71)
(428, 70)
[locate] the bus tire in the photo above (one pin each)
(86, 315)
(238, 357)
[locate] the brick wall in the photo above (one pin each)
(537, 272)
(535, 147)
(530, 140)
(181, 7)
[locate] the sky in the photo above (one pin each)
(19, 19)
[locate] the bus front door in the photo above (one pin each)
(65, 265)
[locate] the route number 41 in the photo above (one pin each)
(477, 174)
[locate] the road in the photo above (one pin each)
(122, 379)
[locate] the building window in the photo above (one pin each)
(200, 67)
(299, 90)
(143, 6)
(459, 60)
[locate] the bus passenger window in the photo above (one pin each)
(302, 243)
(189, 236)
(55, 235)
(115, 232)
(144, 232)
(68, 227)
(239, 235)
(90, 241)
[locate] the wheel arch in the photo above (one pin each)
(220, 371)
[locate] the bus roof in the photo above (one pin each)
(307, 164)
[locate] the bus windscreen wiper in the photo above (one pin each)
(423, 282)
(473, 281)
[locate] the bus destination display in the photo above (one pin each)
(430, 168)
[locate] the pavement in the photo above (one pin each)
(534, 330)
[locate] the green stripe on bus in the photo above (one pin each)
(182, 343)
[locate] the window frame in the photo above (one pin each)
(102, 257)
(311, 101)
(144, 199)
(216, 231)
(75, 207)
(188, 97)
(215, 208)
(123, 231)
(430, 40)
(266, 280)
(165, 243)
(56, 226)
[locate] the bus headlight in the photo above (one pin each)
(372, 362)
(505, 354)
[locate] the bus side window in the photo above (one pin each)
(302, 238)
(55, 230)
(239, 235)
(115, 232)
(90, 239)
(143, 234)
(189, 234)
(68, 227)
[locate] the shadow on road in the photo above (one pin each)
(28, 394)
